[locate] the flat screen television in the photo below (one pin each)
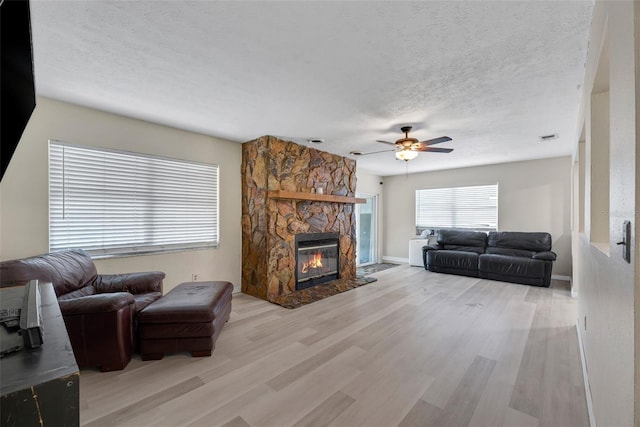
(18, 97)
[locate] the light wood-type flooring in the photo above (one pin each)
(414, 349)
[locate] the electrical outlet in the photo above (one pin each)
(194, 277)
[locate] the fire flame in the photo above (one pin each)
(314, 262)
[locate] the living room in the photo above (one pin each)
(537, 194)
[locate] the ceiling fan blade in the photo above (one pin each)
(375, 152)
(435, 149)
(386, 142)
(436, 140)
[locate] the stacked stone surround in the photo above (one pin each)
(269, 225)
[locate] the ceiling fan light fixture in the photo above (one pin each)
(406, 155)
(408, 148)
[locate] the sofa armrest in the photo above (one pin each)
(546, 256)
(97, 303)
(425, 251)
(134, 283)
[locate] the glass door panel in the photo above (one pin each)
(365, 228)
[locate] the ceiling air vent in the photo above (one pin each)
(316, 141)
(549, 137)
(356, 153)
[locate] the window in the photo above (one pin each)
(459, 207)
(111, 202)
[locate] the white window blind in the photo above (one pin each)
(111, 202)
(458, 207)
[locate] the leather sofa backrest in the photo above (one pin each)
(536, 242)
(68, 270)
(461, 240)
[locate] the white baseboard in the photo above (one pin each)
(395, 259)
(585, 376)
(560, 277)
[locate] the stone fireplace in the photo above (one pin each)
(288, 222)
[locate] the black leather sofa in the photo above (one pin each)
(507, 256)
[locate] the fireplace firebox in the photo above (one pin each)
(317, 258)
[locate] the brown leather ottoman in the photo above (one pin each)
(188, 318)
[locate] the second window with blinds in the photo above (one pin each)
(471, 207)
(116, 203)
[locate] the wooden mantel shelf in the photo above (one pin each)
(296, 195)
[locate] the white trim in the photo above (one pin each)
(395, 259)
(561, 277)
(574, 292)
(585, 376)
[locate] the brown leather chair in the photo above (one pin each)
(99, 310)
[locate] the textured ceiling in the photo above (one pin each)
(494, 76)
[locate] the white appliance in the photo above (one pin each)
(415, 251)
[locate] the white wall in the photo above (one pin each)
(532, 196)
(606, 282)
(24, 189)
(367, 183)
(371, 185)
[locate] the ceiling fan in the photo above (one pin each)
(408, 148)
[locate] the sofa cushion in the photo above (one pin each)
(452, 260)
(509, 252)
(536, 242)
(474, 249)
(68, 270)
(511, 266)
